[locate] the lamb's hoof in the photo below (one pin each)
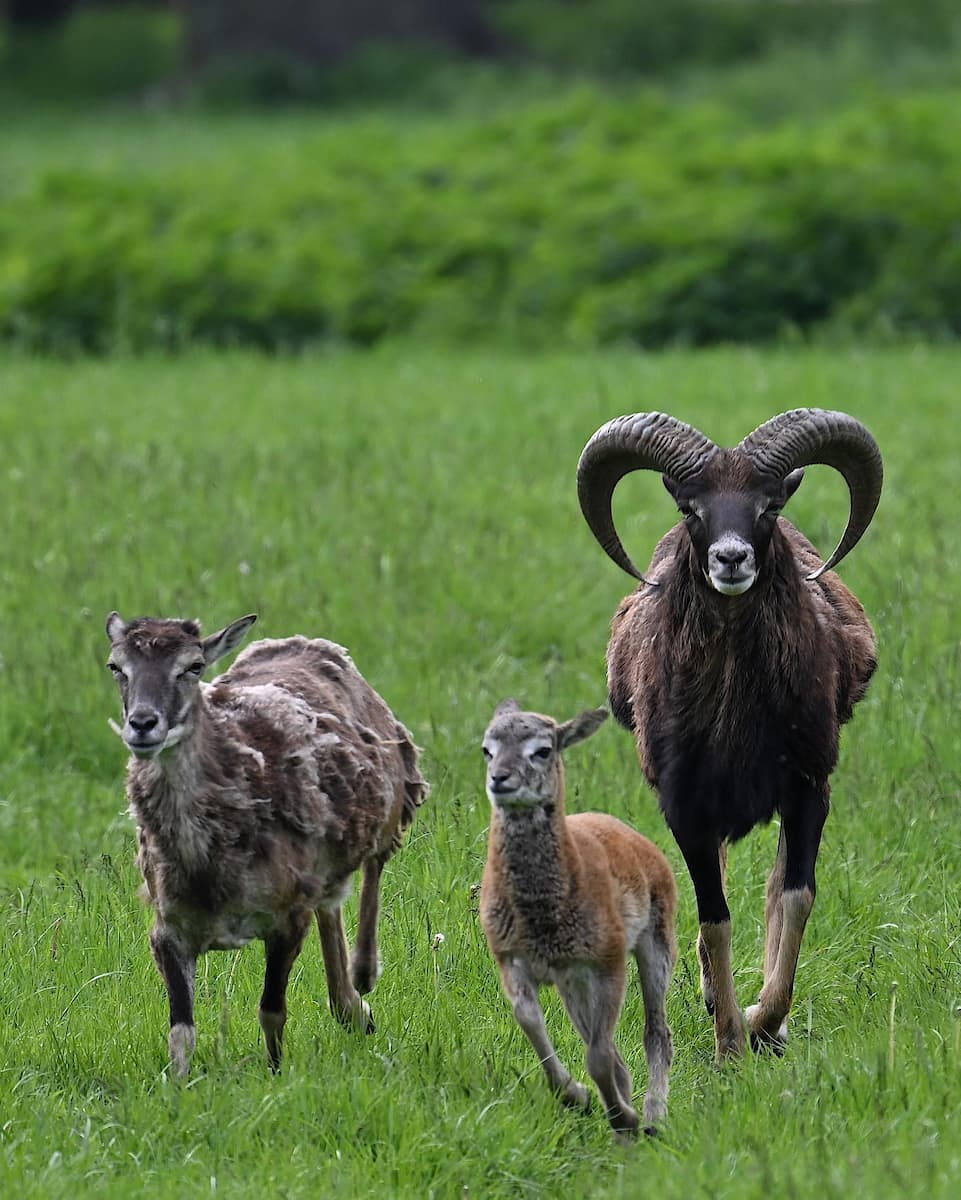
(625, 1126)
(764, 1039)
(576, 1095)
(651, 1131)
(730, 1042)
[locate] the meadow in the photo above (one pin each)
(418, 506)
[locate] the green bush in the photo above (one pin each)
(631, 36)
(589, 219)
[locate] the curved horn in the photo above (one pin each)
(639, 442)
(815, 435)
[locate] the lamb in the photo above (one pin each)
(256, 799)
(735, 663)
(564, 900)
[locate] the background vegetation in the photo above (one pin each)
(709, 171)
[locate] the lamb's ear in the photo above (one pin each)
(226, 640)
(580, 727)
(116, 627)
(506, 706)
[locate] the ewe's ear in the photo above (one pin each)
(506, 706)
(792, 482)
(225, 640)
(580, 727)
(116, 627)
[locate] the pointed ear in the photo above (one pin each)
(580, 727)
(506, 706)
(116, 627)
(224, 641)
(792, 482)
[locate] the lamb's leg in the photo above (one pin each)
(178, 969)
(703, 857)
(594, 1001)
(521, 991)
(343, 998)
(656, 953)
(365, 961)
(281, 950)
(802, 820)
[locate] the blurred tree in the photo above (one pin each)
(324, 31)
(36, 14)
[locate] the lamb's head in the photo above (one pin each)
(157, 664)
(523, 752)
(730, 499)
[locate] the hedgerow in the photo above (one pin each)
(588, 219)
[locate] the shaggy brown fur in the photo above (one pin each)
(564, 901)
(736, 703)
(273, 786)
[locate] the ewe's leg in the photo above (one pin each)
(802, 820)
(178, 969)
(594, 999)
(704, 857)
(281, 950)
(656, 953)
(521, 991)
(365, 961)
(344, 1000)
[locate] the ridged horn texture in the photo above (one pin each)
(640, 442)
(806, 436)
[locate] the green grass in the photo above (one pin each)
(421, 509)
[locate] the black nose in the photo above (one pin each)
(498, 781)
(731, 558)
(142, 722)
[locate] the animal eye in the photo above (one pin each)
(486, 753)
(542, 752)
(194, 669)
(114, 669)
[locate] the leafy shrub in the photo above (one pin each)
(588, 218)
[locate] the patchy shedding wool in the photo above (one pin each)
(291, 773)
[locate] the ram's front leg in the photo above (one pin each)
(791, 894)
(706, 862)
(177, 967)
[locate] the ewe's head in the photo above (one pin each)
(730, 499)
(157, 664)
(523, 752)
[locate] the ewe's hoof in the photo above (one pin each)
(576, 1095)
(359, 1017)
(762, 1039)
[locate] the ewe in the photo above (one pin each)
(735, 663)
(256, 798)
(564, 900)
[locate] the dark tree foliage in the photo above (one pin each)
(36, 14)
(326, 31)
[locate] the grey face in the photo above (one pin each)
(157, 664)
(731, 530)
(523, 752)
(522, 760)
(158, 689)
